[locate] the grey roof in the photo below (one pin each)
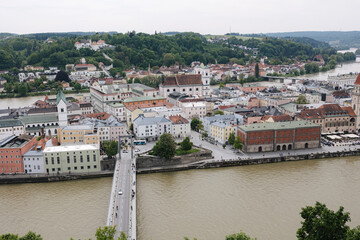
(277, 126)
(39, 118)
(78, 127)
(10, 123)
(42, 110)
(141, 120)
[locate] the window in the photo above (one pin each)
(82, 167)
(58, 160)
(53, 169)
(75, 168)
(68, 159)
(95, 166)
(81, 158)
(69, 168)
(88, 167)
(88, 158)
(74, 159)
(94, 156)
(62, 110)
(46, 161)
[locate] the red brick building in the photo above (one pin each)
(12, 150)
(276, 136)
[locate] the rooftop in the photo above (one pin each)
(143, 98)
(277, 126)
(10, 123)
(15, 142)
(71, 148)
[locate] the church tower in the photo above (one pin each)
(205, 77)
(356, 101)
(61, 109)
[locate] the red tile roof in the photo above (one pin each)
(191, 79)
(349, 110)
(177, 119)
(100, 116)
(357, 82)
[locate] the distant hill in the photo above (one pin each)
(337, 39)
(6, 35)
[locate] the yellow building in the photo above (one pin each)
(78, 134)
(220, 131)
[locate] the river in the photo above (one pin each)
(262, 200)
(58, 210)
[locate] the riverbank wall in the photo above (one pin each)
(27, 178)
(245, 162)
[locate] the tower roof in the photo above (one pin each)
(357, 82)
(60, 96)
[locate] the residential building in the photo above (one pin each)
(193, 109)
(78, 134)
(267, 137)
(108, 129)
(220, 131)
(116, 109)
(12, 149)
(12, 127)
(151, 128)
(332, 118)
(83, 158)
(33, 159)
(180, 126)
(234, 119)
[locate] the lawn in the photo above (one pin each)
(180, 152)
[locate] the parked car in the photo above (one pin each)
(120, 192)
(125, 151)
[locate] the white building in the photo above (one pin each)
(11, 127)
(116, 109)
(205, 77)
(151, 128)
(180, 126)
(62, 109)
(34, 161)
(191, 85)
(193, 109)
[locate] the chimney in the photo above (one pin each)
(128, 87)
(42, 133)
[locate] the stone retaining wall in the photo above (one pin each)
(244, 162)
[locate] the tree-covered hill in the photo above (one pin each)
(141, 50)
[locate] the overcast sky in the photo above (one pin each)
(202, 16)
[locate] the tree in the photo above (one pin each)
(231, 139)
(257, 71)
(237, 143)
(111, 148)
(169, 59)
(186, 144)
(238, 236)
(106, 233)
(221, 85)
(62, 76)
(320, 223)
(354, 234)
(194, 124)
(29, 236)
(301, 100)
(165, 147)
(77, 86)
(131, 127)
(218, 112)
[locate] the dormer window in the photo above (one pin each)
(62, 110)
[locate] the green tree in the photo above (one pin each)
(106, 233)
(111, 148)
(231, 139)
(186, 144)
(354, 234)
(131, 127)
(62, 76)
(257, 71)
(239, 236)
(221, 85)
(29, 236)
(77, 86)
(301, 100)
(237, 143)
(194, 124)
(218, 112)
(321, 223)
(22, 90)
(165, 147)
(169, 59)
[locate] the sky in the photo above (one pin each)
(205, 17)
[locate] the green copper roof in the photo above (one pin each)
(277, 126)
(60, 96)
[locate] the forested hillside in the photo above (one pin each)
(141, 50)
